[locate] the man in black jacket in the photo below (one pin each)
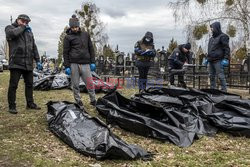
(218, 55)
(145, 51)
(22, 52)
(176, 60)
(79, 59)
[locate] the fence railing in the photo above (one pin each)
(196, 76)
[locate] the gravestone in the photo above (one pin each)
(100, 64)
(119, 67)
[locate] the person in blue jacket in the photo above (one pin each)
(218, 55)
(176, 60)
(145, 51)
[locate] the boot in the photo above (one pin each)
(33, 106)
(13, 111)
(93, 103)
(80, 104)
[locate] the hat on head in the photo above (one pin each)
(74, 21)
(187, 46)
(24, 17)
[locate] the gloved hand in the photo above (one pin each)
(67, 71)
(148, 53)
(224, 63)
(28, 28)
(205, 63)
(138, 51)
(39, 65)
(92, 67)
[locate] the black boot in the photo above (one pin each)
(80, 104)
(93, 103)
(172, 84)
(13, 111)
(33, 106)
(183, 85)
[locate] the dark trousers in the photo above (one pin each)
(180, 74)
(15, 75)
(143, 76)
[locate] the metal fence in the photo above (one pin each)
(196, 76)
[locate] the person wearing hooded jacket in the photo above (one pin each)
(145, 51)
(79, 59)
(218, 55)
(176, 60)
(22, 52)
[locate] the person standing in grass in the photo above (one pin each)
(23, 51)
(79, 59)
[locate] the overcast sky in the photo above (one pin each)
(126, 21)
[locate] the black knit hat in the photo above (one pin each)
(24, 17)
(74, 21)
(187, 46)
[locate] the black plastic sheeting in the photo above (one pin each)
(43, 84)
(177, 115)
(54, 81)
(88, 135)
(48, 81)
(60, 81)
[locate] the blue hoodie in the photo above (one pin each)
(218, 46)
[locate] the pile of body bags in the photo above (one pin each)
(45, 81)
(175, 115)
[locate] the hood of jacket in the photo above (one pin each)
(148, 35)
(216, 29)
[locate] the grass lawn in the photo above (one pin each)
(26, 141)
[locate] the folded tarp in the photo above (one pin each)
(88, 135)
(177, 115)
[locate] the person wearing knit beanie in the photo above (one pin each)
(74, 21)
(79, 59)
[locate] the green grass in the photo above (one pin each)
(26, 141)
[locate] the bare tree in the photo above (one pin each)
(4, 49)
(90, 21)
(197, 12)
(60, 46)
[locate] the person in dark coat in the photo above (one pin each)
(79, 59)
(218, 55)
(176, 60)
(145, 51)
(22, 52)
